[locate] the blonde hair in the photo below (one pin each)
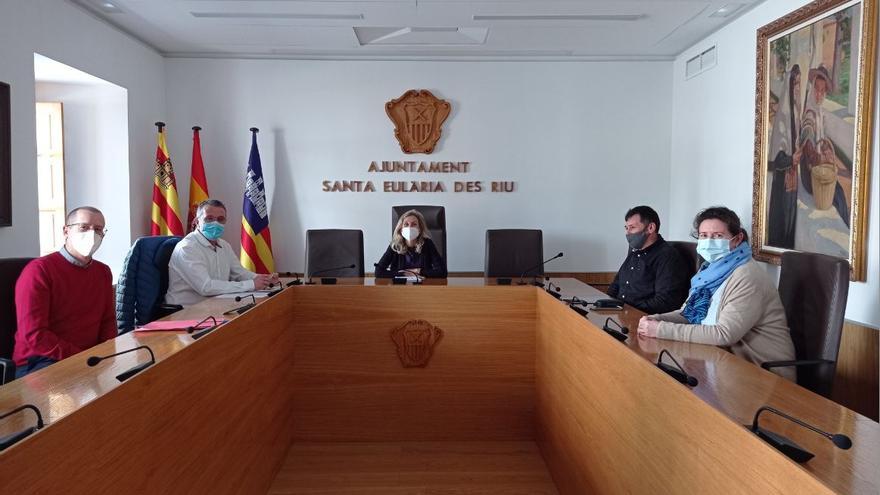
(398, 243)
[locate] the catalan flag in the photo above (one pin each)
(166, 209)
(198, 182)
(256, 241)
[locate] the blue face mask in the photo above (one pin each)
(713, 250)
(212, 230)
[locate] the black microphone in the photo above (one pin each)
(786, 446)
(619, 335)
(204, 331)
(581, 311)
(554, 290)
(125, 375)
(419, 277)
(292, 282)
(276, 291)
(10, 440)
(678, 373)
(539, 265)
(242, 309)
(326, 270)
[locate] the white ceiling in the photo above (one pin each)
(419, 29)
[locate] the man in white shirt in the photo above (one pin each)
(204, 265)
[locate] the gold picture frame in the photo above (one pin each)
(814, 109)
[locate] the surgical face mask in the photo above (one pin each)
(85, 243)
(212, 230)
(410, 233)
(637, 239)
(713, 250)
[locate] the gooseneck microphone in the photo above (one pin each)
(10, 440)
(539, 265)
(678, 372)
(327, 270)
(794, 451)
(202, 331)
(292, 282)
(241, 309)
(125, 375)
(554, 290)
(419, 277)
(619, 335)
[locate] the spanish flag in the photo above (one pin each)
(166, 212)
(198, 182)
(256, 241)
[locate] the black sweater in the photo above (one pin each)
(429, 262)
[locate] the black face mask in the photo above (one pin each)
(637, 240)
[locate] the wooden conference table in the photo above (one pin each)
(316, 365)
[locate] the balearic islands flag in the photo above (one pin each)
(198, 182)
(256, 240)
(166, 209)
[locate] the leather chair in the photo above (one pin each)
(688, 253)
(330, 248)
(10, 269)
(141, 288)
(435, 218)
(510, 252)
(813, 288)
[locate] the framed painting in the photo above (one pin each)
(813, 117)
(5, 157)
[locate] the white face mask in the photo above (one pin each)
(85, 243)
(410, 233)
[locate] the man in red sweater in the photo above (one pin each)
(64, 300)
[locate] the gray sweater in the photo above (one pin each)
(751, 321)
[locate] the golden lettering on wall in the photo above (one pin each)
(418, 116)
(415, 342)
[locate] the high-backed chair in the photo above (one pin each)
(140, 291)
(688, 253)
(813, 288)
(10, 269)
(510, 252)
(332, 248)
(435, 217)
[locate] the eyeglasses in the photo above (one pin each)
(85, 227)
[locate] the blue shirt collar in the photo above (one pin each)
(73, 261)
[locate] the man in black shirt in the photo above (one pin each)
(653, 278)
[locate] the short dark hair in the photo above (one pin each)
(646, 213)
(726, 215)
(206, 203)
(74, 211)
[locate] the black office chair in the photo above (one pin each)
(10, 269)
(813, 288)
(510, 252)
(435, 218)
(141, 288)
(688, 253)
(331, 248)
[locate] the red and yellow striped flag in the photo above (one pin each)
(256, 239)
(198, 182)
(166, 212)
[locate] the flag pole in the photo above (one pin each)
(197, 128)
(160, 125)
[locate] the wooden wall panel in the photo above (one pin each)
(609, 422)
(212, 417)
(350, 385)
(856, 382)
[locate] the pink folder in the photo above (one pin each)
(172, 325)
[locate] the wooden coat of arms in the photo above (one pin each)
(418, 116)
(415, 342)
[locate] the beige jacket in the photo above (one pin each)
(751, 321)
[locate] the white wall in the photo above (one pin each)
(96, 157)
(712, 142)
(583, 141)
(67, 34)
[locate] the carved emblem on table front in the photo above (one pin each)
(415, 342)
(418, 116)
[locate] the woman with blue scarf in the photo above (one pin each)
(732, 303)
